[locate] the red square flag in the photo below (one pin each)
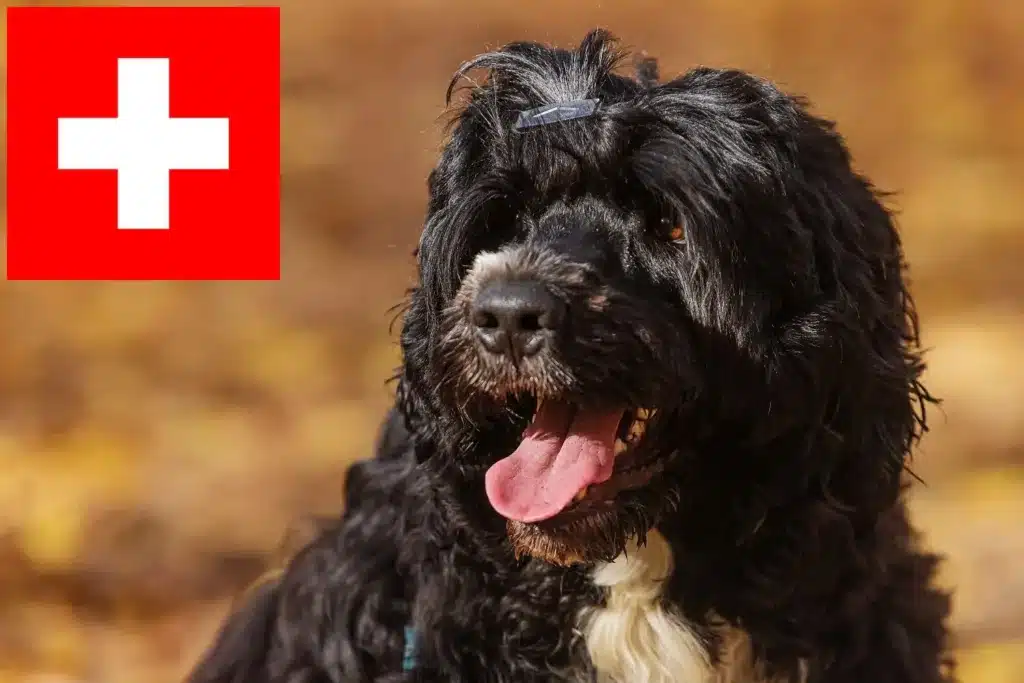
(143, 143)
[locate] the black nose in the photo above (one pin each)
(516, 317)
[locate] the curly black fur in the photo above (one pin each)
(777, 341)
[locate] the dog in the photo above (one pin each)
(660, 383)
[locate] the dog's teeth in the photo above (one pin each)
(637, 430)
(581, 495)
(620, 447)
(638, 427)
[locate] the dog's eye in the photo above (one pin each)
(672, 229)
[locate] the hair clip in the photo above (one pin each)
(553, 113)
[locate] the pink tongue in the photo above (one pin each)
(562, 451)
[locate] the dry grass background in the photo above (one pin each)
(156, 440)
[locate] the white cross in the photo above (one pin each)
(143, 144)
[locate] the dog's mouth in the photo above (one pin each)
(572, 460)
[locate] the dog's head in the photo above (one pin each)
(657, 286)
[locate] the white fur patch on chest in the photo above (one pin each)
(635, 639)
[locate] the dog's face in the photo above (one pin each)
(606, 301)
(577, 327)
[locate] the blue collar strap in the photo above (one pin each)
(409, 656)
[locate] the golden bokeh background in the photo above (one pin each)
(157, 440)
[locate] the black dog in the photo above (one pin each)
(660, 382)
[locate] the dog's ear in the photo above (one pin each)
(445, 226)
(879, 403)
(837, 331)
(238, 654)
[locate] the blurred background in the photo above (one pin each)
(157, 440)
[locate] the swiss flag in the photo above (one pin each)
(143, 143)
